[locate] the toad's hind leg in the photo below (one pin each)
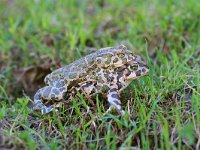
(88, 89)
(48, 93)
(113, 99)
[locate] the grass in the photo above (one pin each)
(164, 106)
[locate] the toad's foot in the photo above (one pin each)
(44, 109)
(122, 112)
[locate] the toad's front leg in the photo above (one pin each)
(113, 99)
(47, 93)
(38, 100)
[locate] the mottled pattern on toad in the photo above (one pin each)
(108, 71)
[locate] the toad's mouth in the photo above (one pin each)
(137, 74)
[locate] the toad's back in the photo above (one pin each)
(80, 68)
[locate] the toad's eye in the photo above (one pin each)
(121, 55)
(134, 67)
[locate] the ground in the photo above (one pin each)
(41, 35)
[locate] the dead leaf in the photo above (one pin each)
(31, 78)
